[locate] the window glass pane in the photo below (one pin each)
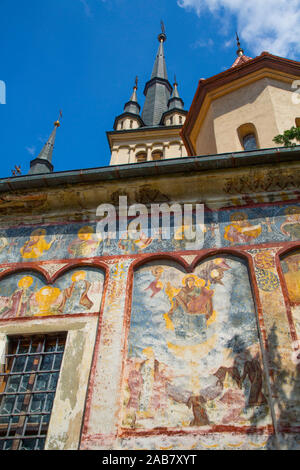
(28, 386)
(249, 142)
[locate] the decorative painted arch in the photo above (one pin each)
(180, 351)
(288, 266)
(29, 291)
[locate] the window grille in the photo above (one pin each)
(27, 389)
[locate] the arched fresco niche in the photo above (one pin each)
(193, 352)
(291, 269)
(27, 294)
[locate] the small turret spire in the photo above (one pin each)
(175, 102)
(43, 163)
(132, 105)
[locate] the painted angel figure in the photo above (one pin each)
(192, 307)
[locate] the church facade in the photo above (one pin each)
(148, 342)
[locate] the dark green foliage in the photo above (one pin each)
(287, 137)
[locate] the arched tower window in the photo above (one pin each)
(157, 155)
(248, 137)
(141, 157)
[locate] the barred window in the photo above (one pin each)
(27, 389)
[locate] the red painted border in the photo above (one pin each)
(280, 255)
(201, 257)
(126, 433)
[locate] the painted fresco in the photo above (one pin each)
(224, 228)
(291, 270)
(256, 225)
(26, 295)
(185, 366)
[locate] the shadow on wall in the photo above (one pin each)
(287, 402)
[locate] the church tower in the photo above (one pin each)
(155, 134)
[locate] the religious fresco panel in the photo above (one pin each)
(291, 269)
(223, 228)
(193, 354)
(27, 295)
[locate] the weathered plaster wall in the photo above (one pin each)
(266, 103)
(162, 361)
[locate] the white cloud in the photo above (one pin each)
(209, 43)
(87, 8)
(264, 25)
(31, 150)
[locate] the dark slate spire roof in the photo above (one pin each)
(157, 89)
(131, 108)
(159, 67)
(132, 105)
(175, 102)
(43, 163)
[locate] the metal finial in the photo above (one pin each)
(162, 36)
(240, 51)
(136, 82)
(57, 123)
(175, 81)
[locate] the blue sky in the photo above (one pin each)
(82, 56)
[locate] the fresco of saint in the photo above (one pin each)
(192, 306)
(240, 231)
(36, 245)
(292, 278)
(75, 297)
(291, 269)
(86, 243)
(291, 226)
(129, 243)
(74, 292)
(46, 299)
(193, 349)
(19, 303)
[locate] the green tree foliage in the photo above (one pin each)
(287, 137)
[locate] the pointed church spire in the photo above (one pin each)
(175, 102)
(132, 105)
(43, 163)
(159, 68)
(157, 89)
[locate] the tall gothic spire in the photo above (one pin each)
(157, 89)
(43, 163)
